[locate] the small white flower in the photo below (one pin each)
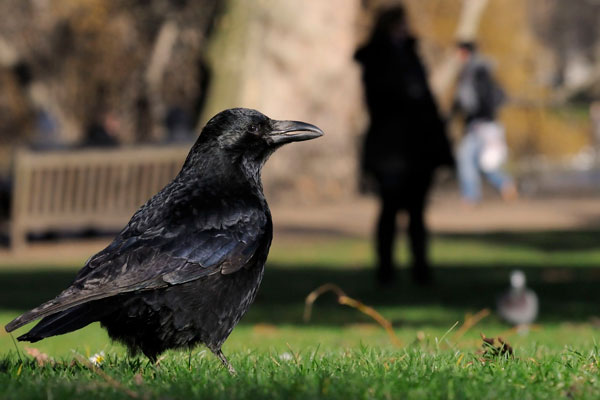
(285, 357)
(97, 359)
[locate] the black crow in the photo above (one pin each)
(189, 263)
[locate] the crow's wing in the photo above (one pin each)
(150, 255)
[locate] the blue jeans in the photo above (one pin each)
(469, 171)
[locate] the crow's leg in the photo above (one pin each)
(152, 357)
(223, 359)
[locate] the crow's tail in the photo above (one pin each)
(65, 321)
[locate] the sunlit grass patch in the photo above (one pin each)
(341, 353)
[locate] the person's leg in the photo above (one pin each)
(418, 245)
(468, 169)
(385, 236)
(503, 183)
(417, 231)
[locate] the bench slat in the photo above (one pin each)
(81, 189)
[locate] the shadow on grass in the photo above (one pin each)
(565, 293)
(548, 241)
(553, 240)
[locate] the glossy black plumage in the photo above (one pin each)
(188, 264)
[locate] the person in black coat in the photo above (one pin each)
(405, 141)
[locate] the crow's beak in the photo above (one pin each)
(292, 131)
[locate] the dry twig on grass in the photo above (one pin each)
(470, 321)
(41, 358)
(343, 299)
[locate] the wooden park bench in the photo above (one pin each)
(86, 188)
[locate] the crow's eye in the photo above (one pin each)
(253, 128)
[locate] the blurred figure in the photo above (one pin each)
(46, 136)
(595, 119)
(143, 119)
(483, 145)
(178, 125)
(519, 305)
(405, 141)
(5, 197)
(46, 132)
(103, 131)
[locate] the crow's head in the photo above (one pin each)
(249, 132)
(244, 138)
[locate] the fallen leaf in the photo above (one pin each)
(494, 347)
(41, 358)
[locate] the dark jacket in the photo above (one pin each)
(406, 135)
(478, 95)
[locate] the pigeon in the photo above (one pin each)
(519, 305)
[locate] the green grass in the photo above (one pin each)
(341, 353)
(361, 372)
(535, 249)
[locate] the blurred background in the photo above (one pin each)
(138, 65)
(95, 92)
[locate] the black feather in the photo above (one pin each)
(188, 264)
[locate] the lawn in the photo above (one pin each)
(342, 353)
